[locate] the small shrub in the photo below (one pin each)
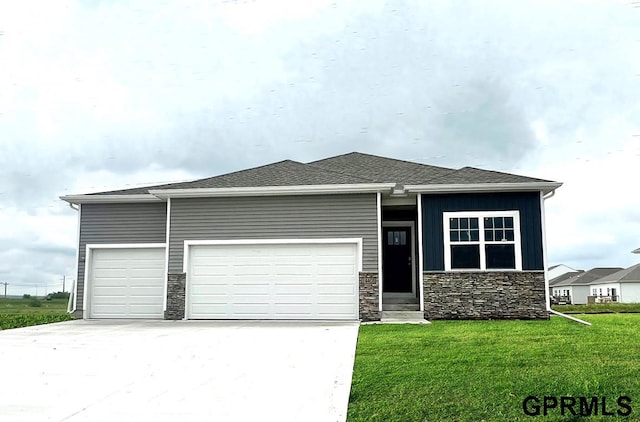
(35, 303)
(58, 295)
(26, 296)
(16, 321)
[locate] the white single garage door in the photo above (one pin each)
(273, 281)
(126, 283)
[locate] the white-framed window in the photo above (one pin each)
(595, 292)
(482, 240)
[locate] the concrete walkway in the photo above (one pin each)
(177, 371)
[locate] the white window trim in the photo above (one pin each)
(480, 216)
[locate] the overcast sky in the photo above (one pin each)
(100, 95)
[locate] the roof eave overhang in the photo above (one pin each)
(272, 190)
(545, 187)
(110, 199)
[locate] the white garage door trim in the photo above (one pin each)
(90, 248)
(189, 243)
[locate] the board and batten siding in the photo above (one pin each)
(274, 217)
(118, 223)
(528, 203)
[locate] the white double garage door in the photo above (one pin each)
(230, 280)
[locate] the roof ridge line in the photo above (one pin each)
(384, 158)
(340, 173)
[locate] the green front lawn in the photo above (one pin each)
(483, 370)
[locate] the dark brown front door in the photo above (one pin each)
(396, 259)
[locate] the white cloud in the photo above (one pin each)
(100, 96)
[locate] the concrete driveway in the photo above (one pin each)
(177, 371)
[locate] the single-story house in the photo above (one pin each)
(622, 286)
(345, 237)
(558, 291)
(576, 287)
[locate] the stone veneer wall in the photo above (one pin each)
(484, 295)
(175, 296)
(369, 297)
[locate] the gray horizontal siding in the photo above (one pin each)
(295, 217)
(118, 223)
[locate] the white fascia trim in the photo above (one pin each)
(545, 187)
(109, 199)
(188, 243)
(272, 190)
(420, 255)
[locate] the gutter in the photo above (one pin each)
(544, 258)
(545, 187)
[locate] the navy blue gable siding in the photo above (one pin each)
(528, 203)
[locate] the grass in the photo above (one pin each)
(598, 308)
(24, 306)
(16, 313)
(483, 370)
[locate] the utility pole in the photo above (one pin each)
(5, 289)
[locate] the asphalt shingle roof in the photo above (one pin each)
(564, 277)
(383, 169)
(587, 277)
(628, 275)
(352, 168)
(474, 175)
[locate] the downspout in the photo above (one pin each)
(544, 258)
(71, 304)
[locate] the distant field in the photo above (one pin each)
(16, 313)
(598, 308)
(23, 306)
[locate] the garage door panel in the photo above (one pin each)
(208, 289)
(142, 273)
(108, 311)
(258, 299)
(251, 289)
(333, 309)
(126, 283)
(336, 269)
(110, 272)
(273, 281)
(334, 299)
(146, 291)
(292, 288)
(294, 299)
(242, 270)
(347, 289)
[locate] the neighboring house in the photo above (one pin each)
(558, 270)
(622, 286)
(345, 237)
(576, 286)
(559, 292)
